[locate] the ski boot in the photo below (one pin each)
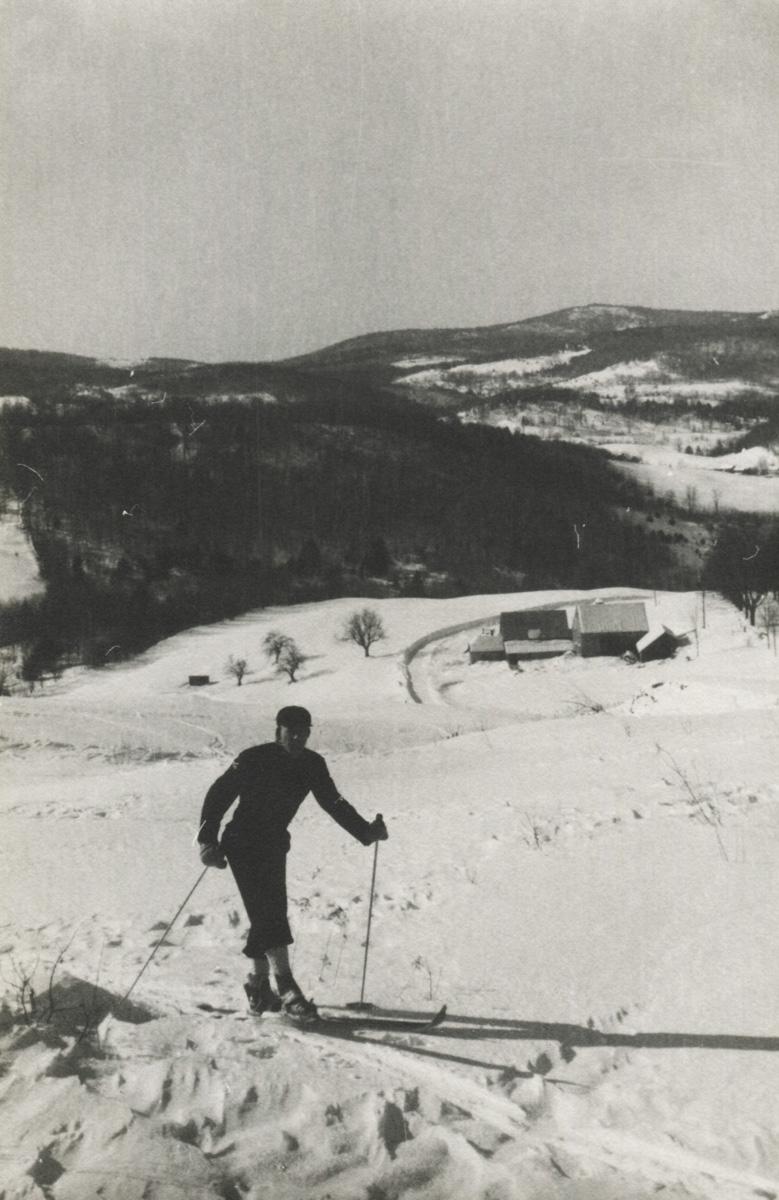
(261, 995)
(297, 1009)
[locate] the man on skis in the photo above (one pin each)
(270, 782)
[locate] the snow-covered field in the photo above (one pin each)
(652, 379)
(711, 486)
(760, 461)
(582, 864)
(19, 577)
(487, 378)
(714, 483)
(719, 482)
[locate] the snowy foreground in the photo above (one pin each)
(582, 864)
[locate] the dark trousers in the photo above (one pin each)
(261, 875)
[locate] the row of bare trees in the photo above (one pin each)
(364, 627)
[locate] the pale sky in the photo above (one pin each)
(251, 179)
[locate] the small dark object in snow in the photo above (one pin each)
(45, 1171)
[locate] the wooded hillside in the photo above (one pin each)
(153, 515)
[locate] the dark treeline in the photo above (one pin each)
(741, 412)
(764, 434)
(151, 515)
(744, 562)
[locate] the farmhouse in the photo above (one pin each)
(540, 633)
(600, 628)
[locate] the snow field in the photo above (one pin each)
(19, 576)
(581, 862)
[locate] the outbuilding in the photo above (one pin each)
(608, 628)
(657, 642)
(487, 647)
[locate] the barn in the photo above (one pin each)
(600, 628)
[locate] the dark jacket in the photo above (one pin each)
(272, 784)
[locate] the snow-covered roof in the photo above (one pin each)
(613, 618)
(535, 623)
(652, 634)
(486, 642)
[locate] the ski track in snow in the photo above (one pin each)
(579, 852)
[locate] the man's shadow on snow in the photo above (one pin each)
(568, 1037)
(488, 1028)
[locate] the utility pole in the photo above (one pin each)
(258, 472)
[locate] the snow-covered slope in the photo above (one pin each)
(19, 575)
(582, 863)
(487, 378)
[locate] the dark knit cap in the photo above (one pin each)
(292, 716)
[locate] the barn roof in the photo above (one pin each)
(613, 618)
(654, 634)
(486, 643)
(549, 622)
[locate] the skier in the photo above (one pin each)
(272, 780)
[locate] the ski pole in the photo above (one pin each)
(165, 934)
(368, 933)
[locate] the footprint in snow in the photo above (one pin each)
(262, 1051)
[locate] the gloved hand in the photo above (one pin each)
(211, 856)
(378, 830)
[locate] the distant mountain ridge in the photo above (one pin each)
(610, 332)
(604, 324)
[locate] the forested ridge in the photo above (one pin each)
(152, 514)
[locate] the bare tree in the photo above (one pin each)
(237, 667)
(691, 498)
(769, 619)
(274, 643)
(290, 659)
(363, 628)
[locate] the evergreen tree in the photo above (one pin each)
(309, 561)
(377, 559)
